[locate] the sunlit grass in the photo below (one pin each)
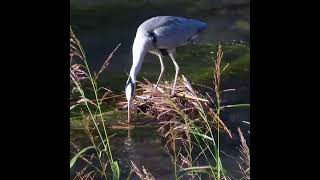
(80, 72)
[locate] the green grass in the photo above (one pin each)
(94, 110)
(195, 63)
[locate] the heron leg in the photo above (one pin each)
(161, 72)
(176, 75)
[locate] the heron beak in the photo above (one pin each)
(129, 111)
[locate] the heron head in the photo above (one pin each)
(130, 88)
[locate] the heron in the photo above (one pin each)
(160, 35)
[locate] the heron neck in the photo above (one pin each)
(137, 60)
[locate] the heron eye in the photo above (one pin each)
(129, 81)
(130, 88)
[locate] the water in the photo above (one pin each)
(144, 147)
(144, 151)
(100, 29)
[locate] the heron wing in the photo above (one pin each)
(173, 31)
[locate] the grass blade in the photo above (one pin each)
(204, 136)
(74, 159)
(115, 170)
(235, 105)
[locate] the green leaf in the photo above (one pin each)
(197, 168)
(235, 105)
(74, 159)
(115, 170)
(205, 137)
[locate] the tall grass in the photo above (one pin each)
(244, 165)
(81, 77)
(190, 121)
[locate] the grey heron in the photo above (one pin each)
(160, 36)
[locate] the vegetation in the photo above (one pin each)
(80, 72)
(191, 122)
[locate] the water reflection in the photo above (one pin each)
(142, 150)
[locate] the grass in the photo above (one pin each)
(245, 159)
(194, 61)
(78, 73)
(191, 122)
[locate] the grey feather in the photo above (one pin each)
(171, 31)
(161, 35)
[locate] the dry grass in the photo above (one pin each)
(170, 111)
(245, 164)
(144, 174)
(83, 175)
(189, 119)
(82, 78)
(188, 104)
(79, 73)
